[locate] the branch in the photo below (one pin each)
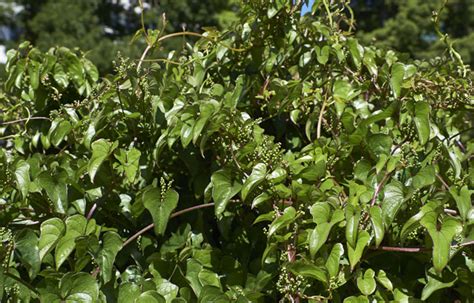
(320, 120)
(379, 188)
(175, 214)
(19, 280)
(24, 119)
(417, 249)
(445, 185)
(91, 211)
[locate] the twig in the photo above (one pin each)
(450, 211)
(417, 249)
(91, 211)
(445, 185)
(320, 120)
(379, 188)
(175, 214)
(19, 280)
(24, 119)
(143, 56)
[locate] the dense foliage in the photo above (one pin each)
(277, 160)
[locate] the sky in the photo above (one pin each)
(307, 8)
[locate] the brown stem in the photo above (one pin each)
(173, 215)
(291, 252)
(91, 211)
(379, 188)
(24, 119)
(445, 185)
(417, 249)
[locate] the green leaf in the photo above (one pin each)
(160, 207)
(426, 176)
(355, 253)
(60, 76)
(323, 54)
(101, 150)
(366, 283)
(212, 294)
(321, 213)
(150, 296)
(256, 177)
(377, 224)
(22, 174)
(75, 227)
(33, 72)
(463, 200)
(392, 201)
(442, 236)
(128, 292)
(168, 290)
(208, 277)
(384, 280)
(379, 144)
(56, 189)
(308, 270)
(396, 79)
(51, 231)
(414, 222)
(334, 259)
(277, 175)
(352, 224)
(343, 91)
(354, 299)
(26, 245)
(422, 121)
(224, 188)
(288, 216)
(79, 287)
(357, 52)
(130, 162)
(436, 281)
(112, 244)
(58, 131)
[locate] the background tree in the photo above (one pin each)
(406, 26)
(103, 27)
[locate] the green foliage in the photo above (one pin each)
(336, 171)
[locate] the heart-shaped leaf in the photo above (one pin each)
(160, 207)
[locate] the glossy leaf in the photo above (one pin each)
(256, 177)
(442, 236)
(101, 150)
(288, 216)
(51, 231)
(366, 282)
(224, 188)
(75, 227)
(422, 121)
(160, 207)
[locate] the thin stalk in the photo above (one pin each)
(175, 214)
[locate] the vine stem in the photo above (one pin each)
(320, 120)
(446, 186)
(24, 119)
(26, 284)
(417, 249)
(173, 215)
(91, 211)
(379, 188)
(185, 33)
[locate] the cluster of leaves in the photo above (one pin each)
(277, 160)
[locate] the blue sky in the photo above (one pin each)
(307, 8)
